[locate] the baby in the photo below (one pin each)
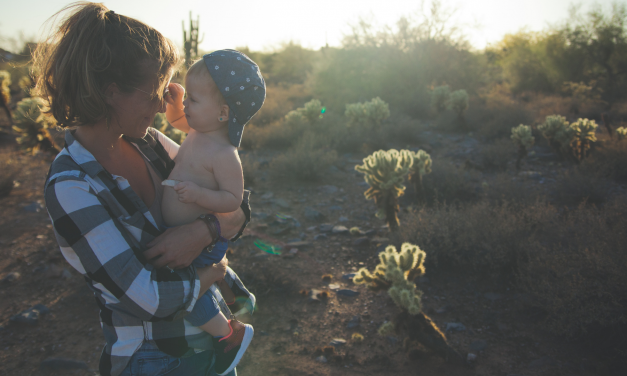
(224, 90)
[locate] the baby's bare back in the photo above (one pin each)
(193, 163)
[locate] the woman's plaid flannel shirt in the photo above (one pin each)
(102, 227)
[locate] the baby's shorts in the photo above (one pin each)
(214, 256)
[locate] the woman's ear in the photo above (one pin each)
(224, 112)
(111, 91)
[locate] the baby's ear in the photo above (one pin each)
(224, 111)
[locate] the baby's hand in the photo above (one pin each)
(175, 95)
(188, 192)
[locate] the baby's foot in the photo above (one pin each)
(230, 349)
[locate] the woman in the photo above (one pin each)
(106, 74)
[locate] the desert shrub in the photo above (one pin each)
(305, 161)
(608, 161)
(280, 99)
(579, 277)
(450, 184)
(621, 133)
(272, 136)
(575, 187)
(309, 114)
(10, 167)
(250, 168)
(402, 129)
(440, 97)
(504, 188)
(161, 123)
(497, 116)
(497, 155)
(33, 126)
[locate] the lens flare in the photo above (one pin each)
(268, 248)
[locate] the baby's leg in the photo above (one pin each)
(218, 326)
(207, 316)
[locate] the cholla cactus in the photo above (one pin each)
(396, 272)
(311, 112)
(621, 133)
(421, 166)
(557, 130)
(33, 125)
(521, 135)
(367, 114)
(386, 329)
(458, 102)
(26, 84)
(584, 134)
(5, 91)
(440, 97)
(385, 172)
(161, 123)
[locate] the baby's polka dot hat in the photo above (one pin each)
(241, 84)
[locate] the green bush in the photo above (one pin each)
(440, 97)
(497, 155)
(305, 161)
(367, 115)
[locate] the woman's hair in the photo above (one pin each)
(92, 48)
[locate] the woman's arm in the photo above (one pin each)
(99, 247)
(174, 111)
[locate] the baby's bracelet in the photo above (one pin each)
(214, 227)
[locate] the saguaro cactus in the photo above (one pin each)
(421, 166)
(584, 135)
(190, 39)
(521, 135)
(5, 91)
(385, 172)
(396, 272)
(33, 125)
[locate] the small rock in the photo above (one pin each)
(337, 342)
(531, 174)
(335, 208)
(361, 241)
(31, 316)
(456, 326)
(299, 244)
(339, 230)
(370, 232)
(378, 239)
(312, 228)
(347, 292)
(282, 203)
(312, 214)
(492, 296)
(325, 227)
(267, 195)
(260, 215)
(542, 362)
(334, 286)
(11, 277)
(354, 322)
(329, 189)
(393, 340)
(348, 276)
(343, 219)
(320, 236)
(66, 274)
(471, 357)
(35, 207)
(321, 359)
(478, 345)
(56, 364)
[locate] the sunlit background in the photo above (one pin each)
(264, 25)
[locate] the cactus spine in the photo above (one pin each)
(421, 166)
(521, 135)
(385, 171)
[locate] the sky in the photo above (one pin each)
(265, 25)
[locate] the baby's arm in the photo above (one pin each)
(174, 111)
(227, 170)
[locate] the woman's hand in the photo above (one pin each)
(176, 92)
(179, 246)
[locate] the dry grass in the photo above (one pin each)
(575, 187)
(306, 161)
(450, 184)
(496, 156)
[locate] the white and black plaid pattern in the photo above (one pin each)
(102, 227)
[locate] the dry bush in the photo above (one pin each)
(579, 277)
(575, 187)
(280, 99)
(514, 190)
(496, 156)
(450, 184)
(276, 135)
(497, 116)
(10, 167)
(609, 161)
(402, 129)
(306, 161)
(250, 167)
(543, 105)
